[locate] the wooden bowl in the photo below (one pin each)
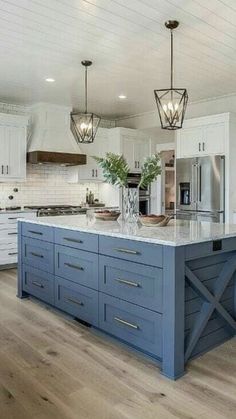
(155, 220)
(107, 215)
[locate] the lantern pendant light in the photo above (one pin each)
(171, 103)
(84, 125)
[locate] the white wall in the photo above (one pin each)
(45, 185)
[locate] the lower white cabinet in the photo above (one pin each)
(8, 236)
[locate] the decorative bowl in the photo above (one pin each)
(153, 220)
(106, 215)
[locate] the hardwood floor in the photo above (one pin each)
(53, 367)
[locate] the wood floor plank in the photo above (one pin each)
(53, 367)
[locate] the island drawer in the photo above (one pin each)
(38, 283)
(76, 239)
(77, 266)
(135, 325)
(131, 282)
(79, 301)
(38, 231)
(131, 250)
(38, 253)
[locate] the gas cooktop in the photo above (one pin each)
(53, 210)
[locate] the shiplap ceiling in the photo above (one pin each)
(128, 44)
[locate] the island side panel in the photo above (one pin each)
(173, 311)
(210, 295)
(20, 292)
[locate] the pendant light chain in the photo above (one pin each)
(86, 89)
(171, 59)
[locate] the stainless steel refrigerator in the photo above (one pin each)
(200, 188)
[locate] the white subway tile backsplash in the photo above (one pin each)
(45, 185)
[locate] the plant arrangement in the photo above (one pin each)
(116, 169)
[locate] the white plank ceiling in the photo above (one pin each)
(128, 44)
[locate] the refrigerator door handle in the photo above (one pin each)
(199, 183)
(194, 184)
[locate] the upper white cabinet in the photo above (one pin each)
(135, 150)
(134, 145)
(91, 172)
(201, 137)
(13, 131)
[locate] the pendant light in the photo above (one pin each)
(171, 103)
(84, 125)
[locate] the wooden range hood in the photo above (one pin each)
(51, 157)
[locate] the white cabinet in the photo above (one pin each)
(8, 236)
(201, 137)
(12, 148)
(135, 150)
(91, 172)
(214, 136)
(134, 146)
(188, 141)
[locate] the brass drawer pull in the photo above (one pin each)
(131, 252)
(12, 233)
(70, 265)
(133, 326)
(37, 255)
(36, 232)
(79, 303)
(73, 240)
(130, 283)
(37, 284)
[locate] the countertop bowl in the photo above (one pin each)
(153, 220)
(107, 215)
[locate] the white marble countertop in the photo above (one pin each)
(177, 233)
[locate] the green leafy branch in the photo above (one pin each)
(150, 169)
(116, 169)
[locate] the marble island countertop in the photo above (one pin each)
(177, 233)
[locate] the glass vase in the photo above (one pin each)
(130, 205)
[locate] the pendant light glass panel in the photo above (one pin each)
(84, 126)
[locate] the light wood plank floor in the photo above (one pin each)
(52, 367)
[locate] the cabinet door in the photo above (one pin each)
(141, 151)
(128, 146)
(189, 142)
(91, 171)
(214, 139)
(4, 153)
(13, 153)
(17, 152)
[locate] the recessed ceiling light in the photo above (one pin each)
(50, 80)
(122, 97)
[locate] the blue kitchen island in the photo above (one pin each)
(169, 292)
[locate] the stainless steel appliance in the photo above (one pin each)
(200, 188)
(144, 193)
(50, 210)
